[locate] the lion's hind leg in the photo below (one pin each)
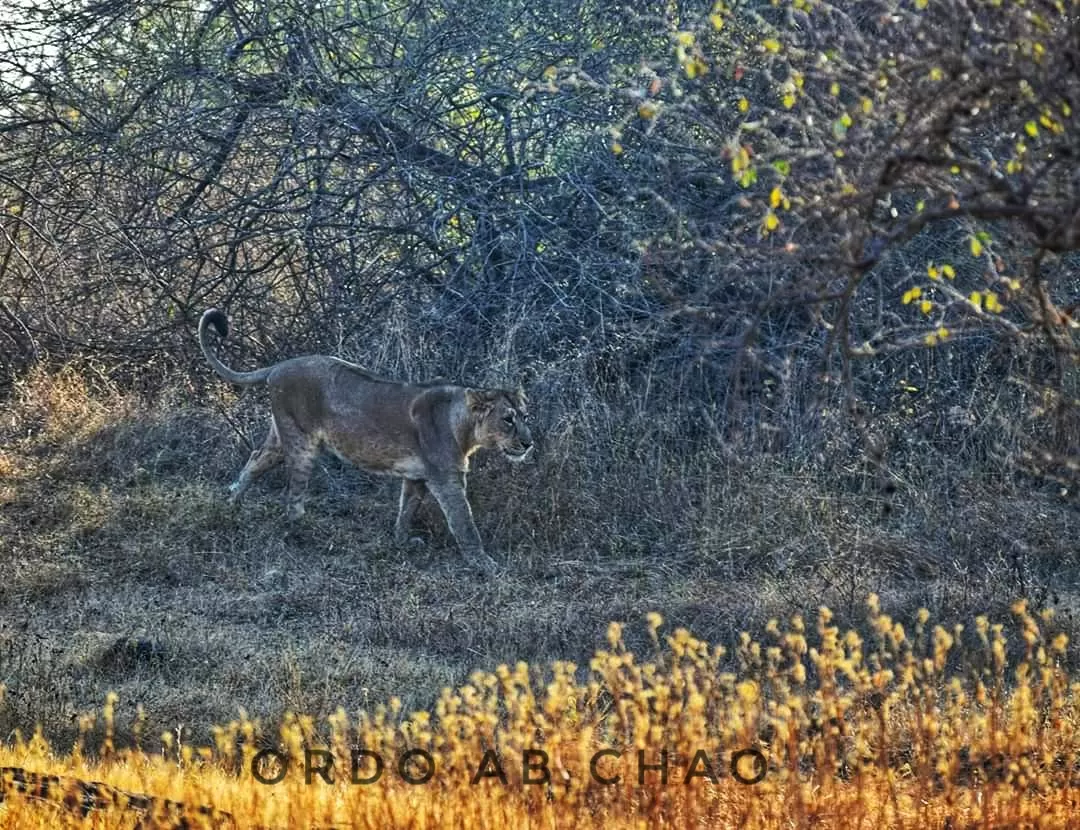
(262, 459)
(300, 450)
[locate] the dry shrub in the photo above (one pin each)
(58, 404)
(813, 728)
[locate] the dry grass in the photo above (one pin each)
(124, 572)
(841, 732)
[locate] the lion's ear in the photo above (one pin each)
(479, 400)
(519, 399)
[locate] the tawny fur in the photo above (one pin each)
(422, 433)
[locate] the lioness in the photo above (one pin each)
(422, 433)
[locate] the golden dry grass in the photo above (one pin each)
(854, 734)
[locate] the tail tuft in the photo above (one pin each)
(214, 317)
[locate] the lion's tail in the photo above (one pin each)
(213, 317)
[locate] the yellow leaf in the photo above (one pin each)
(685, 38)
(717, 21)
(925, 306)
(1031, 128)
(616, 148)
(834, 89)
(975, 298)
(776, 197)
(948, 271)
(771, 45)
(647, 110)
(911, 294)
(932, 271)
(740, 160)
(694, 67)
(771, 222)
(976, 246)
(744, 105)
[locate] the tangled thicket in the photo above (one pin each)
(745, 210)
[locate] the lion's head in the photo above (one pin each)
(500, 421)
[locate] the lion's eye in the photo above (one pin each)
(509, 419)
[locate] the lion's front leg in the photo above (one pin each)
(450, 494)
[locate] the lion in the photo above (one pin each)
(422, 433)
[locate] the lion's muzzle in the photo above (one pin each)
(520, 453)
